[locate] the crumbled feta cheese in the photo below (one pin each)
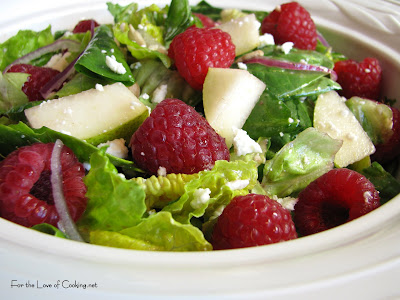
(242, 66)
(266, 39)
(243, 144)
(87, 166)
(162, 171)
(114, 65)
(116, 148)
(201, 196)
(238, 184)
(286, 47)
(99, 87)
(145, 96)
(287, 202)
(103, 51)
(121, 175)
(290, 120)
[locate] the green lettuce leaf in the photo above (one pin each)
(24, 42)
(114, 203)
(122, 13)
(137, 51)
(216, 183)
(158, 232)
(11, 94)
(49, 229)
(93, 60)
(299, 162)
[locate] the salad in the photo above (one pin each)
(191, 128)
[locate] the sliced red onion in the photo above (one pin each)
(57, 81)
(323, 40)
(57, 45)
(66, 222)
(270, 62)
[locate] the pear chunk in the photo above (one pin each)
(96, 115)
(244, 32)
(333, 117)
(229, 96)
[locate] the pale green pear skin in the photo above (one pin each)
(333, 117)
(95, 115)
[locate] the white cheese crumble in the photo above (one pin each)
(286, 47)
(243, 144)
(99, 87)
(287, 202)
(145, 96)
(87, 166)
(266, 39)
(201, 196)
(116, 148)
(162, 171)
(242, 66)
(238, 184)
(114, 65)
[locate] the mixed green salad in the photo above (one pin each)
(126, 207)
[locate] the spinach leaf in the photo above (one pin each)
(93, 60)
(19, 135)
(383, 181)
(178, 19)
(207, 9)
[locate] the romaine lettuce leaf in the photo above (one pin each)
(24, 42)
(137, 51)
(11, 94)
(217, 181)
(114, 203)
(299, 162)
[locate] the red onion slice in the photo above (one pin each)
(270, 62)
(57, 45)
(66, 222)
(57, 81)
(323, 40)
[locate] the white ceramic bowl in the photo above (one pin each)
(358, 260)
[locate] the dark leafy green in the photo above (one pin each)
(18, 135)
(49, 229)
(93, 61)
(383, 181)
(207, 9)
(178, 19)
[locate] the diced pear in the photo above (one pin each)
(95, 115)
(244, 32)
(229, 96)
(333, 117)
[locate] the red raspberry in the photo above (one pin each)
(39, 76)
(338, 196)
(206, 21)
(390, 149)
(290, 22)
(26, 195)
(252, 220)
(197, 49)
(177, 138)
(85, 25)
(362, 79)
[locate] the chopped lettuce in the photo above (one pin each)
(11, 94)
(220, 185)
(24, 42)
(299, 162)
(121, 33)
